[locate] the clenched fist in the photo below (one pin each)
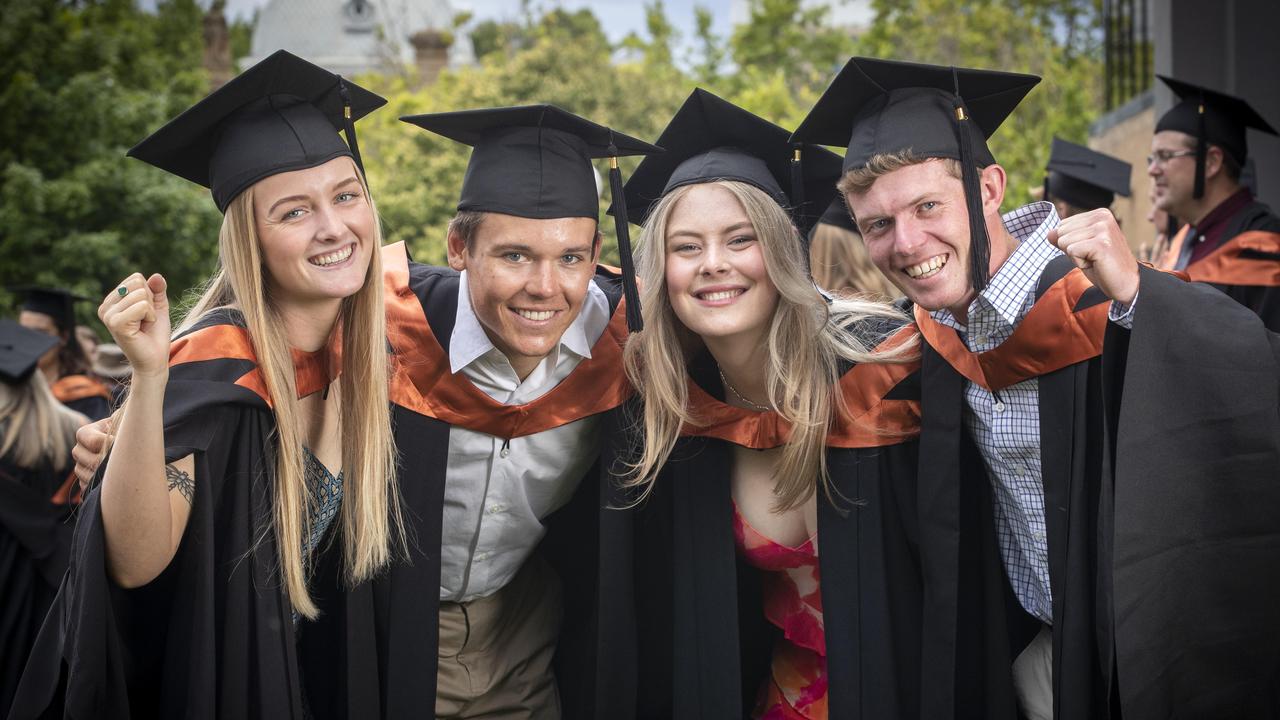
(137, 315)
(1095, 244)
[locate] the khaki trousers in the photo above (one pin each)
(496, 651)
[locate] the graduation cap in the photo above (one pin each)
(1085, 178)
(20, 350)
(534, 161)
(57, 303)
(878, 107)
(280, 115)
(837, 215)
(711, 139)
(1211, 117)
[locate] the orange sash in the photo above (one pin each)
(1227, 266)
(870, 420)
(1052, 336)
(423, 382)
(313, 371)
(70, 388)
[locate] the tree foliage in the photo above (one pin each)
(80, 84)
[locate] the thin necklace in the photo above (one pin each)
(739, 395)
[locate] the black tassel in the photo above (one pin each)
(797, 184)
(1202, 150)
(979, 245)
(1045, 196)
(350, 126)
(630, 291)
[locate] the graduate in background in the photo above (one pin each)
(1112, 542)
(1198, 155)
(36, 435)
(504, 361)
(251, 480)
(66, 366)
(838, 258)
(1078, 179)
(769, 458)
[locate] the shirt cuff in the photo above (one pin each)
(1122, 315)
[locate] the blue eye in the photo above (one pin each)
(344, 197)
(295, 213)
(571, 259)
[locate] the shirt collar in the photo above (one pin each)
(1011, 291)
(469, 340)
(1215, 222)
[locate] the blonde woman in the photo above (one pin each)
(773, 454)
(36, 434)
(251, 479)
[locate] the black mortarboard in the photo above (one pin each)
(534, 161)
(280, 115)
(1212, 118)
(57, 303)
(1085, 178)
(20, 350)
(876, 107)
(712, 139)
(837, 215)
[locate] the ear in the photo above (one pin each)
(457, 249)
(1212, 162)
(992, 181)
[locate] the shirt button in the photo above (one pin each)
(482, 556)
(981, 339)
(999, 406)
(495, 509)
(1018, 470)
(504, 452)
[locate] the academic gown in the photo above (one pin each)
(1246, 266)
(212, 636)
(35, 536)
(84, 394)
(1160, 506)
(430, 400)
(700, 639)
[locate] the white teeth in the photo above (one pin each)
(536, 314)
(333, 257)
(722, 295)
(928, 268)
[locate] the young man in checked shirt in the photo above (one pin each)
(1106, 545)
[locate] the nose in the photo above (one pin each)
(541, 280)
(329, 225)
(714, 260)
(907, 237)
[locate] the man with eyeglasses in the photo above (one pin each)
(1232, 241)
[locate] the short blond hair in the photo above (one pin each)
(860, 180)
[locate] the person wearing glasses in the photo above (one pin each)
(1231, 241)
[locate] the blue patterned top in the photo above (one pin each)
(324, 501)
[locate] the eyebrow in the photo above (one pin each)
(295, 198)
(724, 231)
(528, 250)
(912, 203)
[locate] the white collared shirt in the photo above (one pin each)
(498, 491)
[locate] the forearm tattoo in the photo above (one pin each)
(180, 481)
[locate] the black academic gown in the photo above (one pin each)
(1160, 508)
(35, 536)
(213, 635)
(700, 639)
(84, 394)
(1246, 264)
(430, 400)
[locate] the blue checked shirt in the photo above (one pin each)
(1006, 424)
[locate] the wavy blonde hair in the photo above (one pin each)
(808, 336)
(841, 265)
(34, 426)
(372, 526)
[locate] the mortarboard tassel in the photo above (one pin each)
(979, 246)
(1045, 196)
(630, 291)
(1202, 150)
(350, 130)
(797, 183)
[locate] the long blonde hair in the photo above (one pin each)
(34, 426)
(808, 336)
(372, 526)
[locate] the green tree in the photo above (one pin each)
(80, 84)
(1029, 36)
